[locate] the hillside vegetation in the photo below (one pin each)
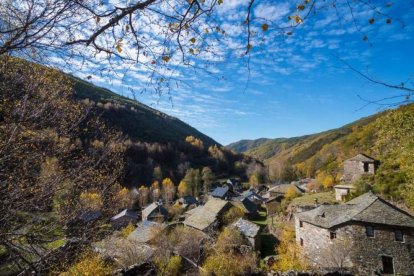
(386, 136)
(136, 120)
(68, 150)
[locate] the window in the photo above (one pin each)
(301, 242)
(399, 236)
(300, 223)
(387, 265)
(332, 235)
(369, 230)
(366, 167)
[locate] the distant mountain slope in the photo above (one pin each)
(303, 146)
(244, 145)
(138, 120)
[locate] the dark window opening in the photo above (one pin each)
(366, 167)
(369, 230)
(332, 235)
(399, 236)
(300, 224)
(387, 265)
(301, 242)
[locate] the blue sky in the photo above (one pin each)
(297, 84)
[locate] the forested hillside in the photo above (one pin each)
(62, 157)
(386, 136)
(136, 120)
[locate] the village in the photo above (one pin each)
(333, 231)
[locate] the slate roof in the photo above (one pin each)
(220, 192)
(90, 216)
(200, 219)
(126, 213)
(188, 200)
(282, 188)
(361, 158)
(249, 206)
(247, 228)
(147, 212)
(252, 195)
(204, 216)
(145, 231)
(367, 208)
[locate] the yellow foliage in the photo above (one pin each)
(195, 142)
(90, 264)
(183, 188)
(232, 214)
(289, 253)
(291, 193)
(127, 230)
(226, 259)
(91, 200)
(254, 180)
(325, 179)
(174, 266)
(123, 197)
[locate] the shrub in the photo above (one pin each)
(89, 264)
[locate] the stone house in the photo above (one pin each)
(250, 231)
(358, 166)
(365, 236)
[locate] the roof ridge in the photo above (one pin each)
(366, 207)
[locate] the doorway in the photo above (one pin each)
(387, 265)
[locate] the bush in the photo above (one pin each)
(90, 264)
(127, 230)
(289, 253)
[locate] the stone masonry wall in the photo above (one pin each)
(354, 170)
(367, 251)
(352, 249)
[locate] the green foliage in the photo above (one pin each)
(193, 180)
(387, 136)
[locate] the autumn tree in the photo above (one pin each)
(168, 189)
(228, 256)
(143, 196)
(195, 142)
(208, 177)
(289, 253)
(194, 181)
(157, 174)
(66, 172)
(291, 193)
(150, 37)
(155, 191)
(183, 189)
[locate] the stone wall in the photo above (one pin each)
(355, 169)
(352, 250)
(323, 252)
(367, 251)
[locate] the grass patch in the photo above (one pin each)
(309, 199)
(56, 244)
